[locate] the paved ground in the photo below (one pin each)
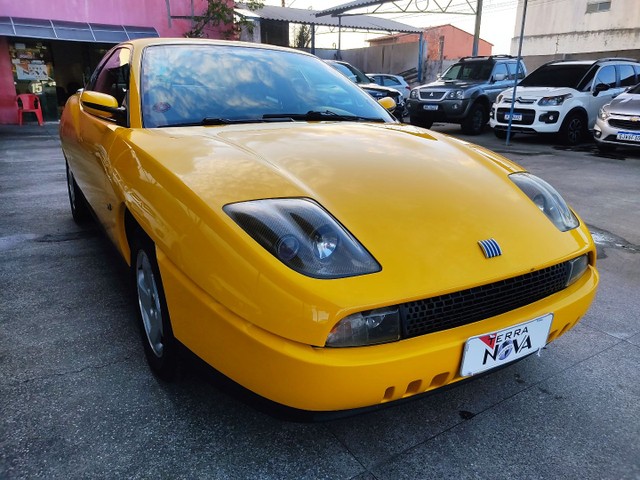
(77, 399)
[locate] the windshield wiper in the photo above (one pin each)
(214, 121)
(316, 115)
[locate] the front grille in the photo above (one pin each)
(625, 124)
(478, 303)
(429, 95)
(528, 116)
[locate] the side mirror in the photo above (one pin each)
(102, 105)
(601, 87)
(388, 103)
(499, 77)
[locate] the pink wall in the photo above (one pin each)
(141, 13)
(145, 13)
(8, 109)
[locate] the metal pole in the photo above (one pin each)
(476, 33)
(339, 36)
(515, 80)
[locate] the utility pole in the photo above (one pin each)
(476, 33)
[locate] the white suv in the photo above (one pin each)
(563, 97)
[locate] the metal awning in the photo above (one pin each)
(310, 17)
(72, 31)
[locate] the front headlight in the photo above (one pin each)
(455, 95)
(553, 101)
(603, 113)
(547, 199)
(414, 93)
(381, 325)
(303, 236)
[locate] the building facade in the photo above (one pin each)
(577, 29)
(50, 47)
(445, 44)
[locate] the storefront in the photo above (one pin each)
(51, 48)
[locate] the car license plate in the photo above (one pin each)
(628, 136)
(491, 350)
(517, 117)
(430, 107)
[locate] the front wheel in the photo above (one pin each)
(502, 134)
(605, 147)
(476, 120)
(424, 122)
(159, 344)
(79, 206)
(573, 129)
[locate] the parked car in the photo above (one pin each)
(286, 229)
(464, 93)
(618, 122)
(376, 91)
(394, 81)
(563, 97)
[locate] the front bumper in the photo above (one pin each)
(527, 118)
(442, 110)
(329, 379)
(618, 130)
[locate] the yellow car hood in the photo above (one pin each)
(418, 201)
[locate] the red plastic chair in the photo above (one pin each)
(28, 102)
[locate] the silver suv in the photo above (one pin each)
(464, 93)
(563, 97)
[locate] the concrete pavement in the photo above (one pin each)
(78, 401)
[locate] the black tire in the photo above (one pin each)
(160, 346)
(476, 119)
(573, 129)
(502, 134)
(605, 147)
(424, 122)
(79, 206)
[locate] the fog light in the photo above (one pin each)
(366, 328)
(549, 117)
(597, 133)
(576, 268)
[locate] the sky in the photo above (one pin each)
(497, 26)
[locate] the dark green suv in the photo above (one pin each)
(464, 93)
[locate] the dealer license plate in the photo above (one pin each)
(628, 136)
(430, 107)
(491, 350)
(516, 117)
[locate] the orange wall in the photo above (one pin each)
(457, 42)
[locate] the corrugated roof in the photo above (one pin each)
(351, 6)
(308, 17)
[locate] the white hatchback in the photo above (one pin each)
(563, 97)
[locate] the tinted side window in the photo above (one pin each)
(627, 75)
(606, 75)
(112, 76)
(501, 69)
(390, 82)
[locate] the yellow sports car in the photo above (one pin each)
(282, 226)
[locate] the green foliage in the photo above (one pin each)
(221, 13)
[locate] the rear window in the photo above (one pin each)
(556, 76)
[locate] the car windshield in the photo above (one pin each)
(477, 71)
(220, 84)
(559, 75)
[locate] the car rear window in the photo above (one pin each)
(556, 76)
